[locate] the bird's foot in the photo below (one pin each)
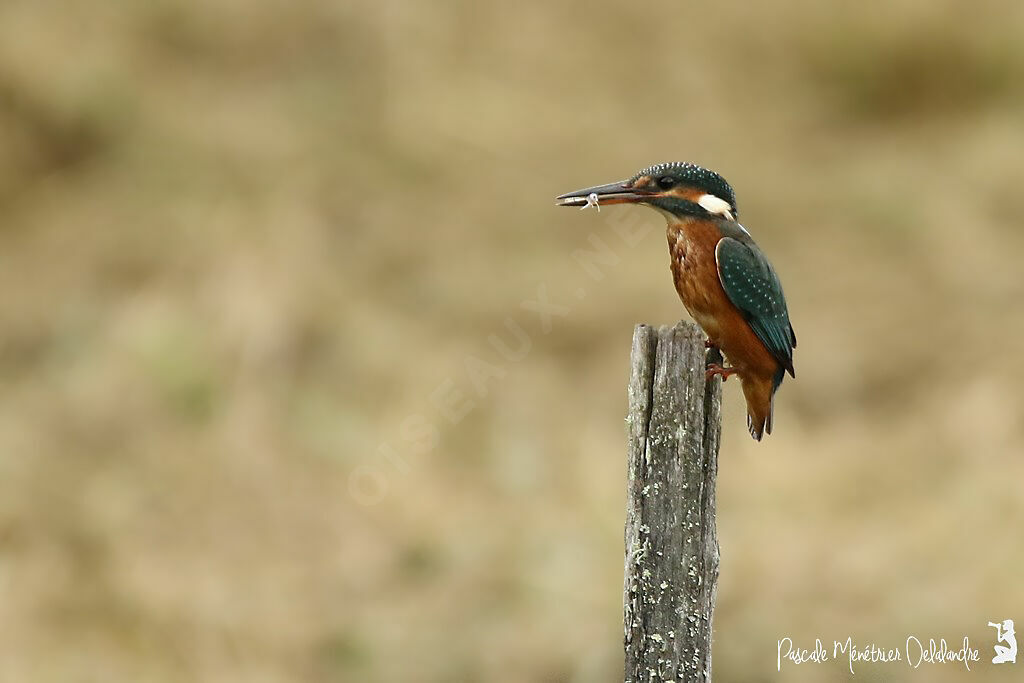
(720, 370)
(713, 356)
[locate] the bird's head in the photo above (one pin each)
(678, 189)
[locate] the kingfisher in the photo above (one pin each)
(723, 278)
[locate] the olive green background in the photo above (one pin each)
(253, 426)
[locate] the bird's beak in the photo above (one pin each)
(612, 193)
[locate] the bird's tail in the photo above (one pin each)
(760, 395)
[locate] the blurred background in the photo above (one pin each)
(277, 401)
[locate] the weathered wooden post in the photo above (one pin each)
(671, 567)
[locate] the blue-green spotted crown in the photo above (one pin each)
(695, 176)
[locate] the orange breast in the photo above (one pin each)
(695, 272)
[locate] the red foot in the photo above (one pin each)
(716, 369)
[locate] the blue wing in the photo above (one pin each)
(753, 287)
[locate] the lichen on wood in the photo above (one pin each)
(671, 558)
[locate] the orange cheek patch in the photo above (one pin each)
(687, 193)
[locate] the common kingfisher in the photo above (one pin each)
(723, 278)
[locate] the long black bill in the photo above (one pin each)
(612, 193)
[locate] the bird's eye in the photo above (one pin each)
(666, 181)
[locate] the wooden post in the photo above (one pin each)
(671, 567)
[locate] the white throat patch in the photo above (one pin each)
(716, 205)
